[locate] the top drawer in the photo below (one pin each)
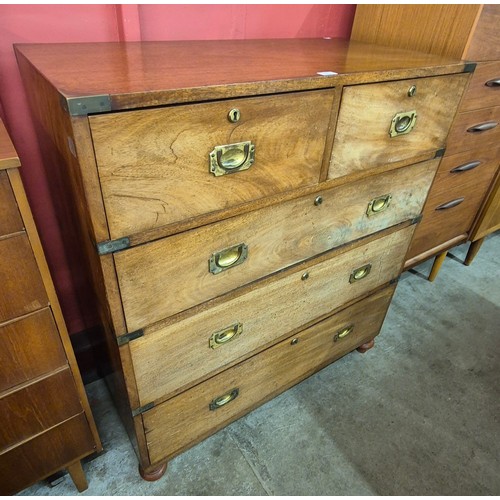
(385, 123)
(484, 87)
(160, 166)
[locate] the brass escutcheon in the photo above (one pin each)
(231, 158)
(344, 332)
(234, 115)
(402, 123)
(225, 335)
(228, 258)
(360, 273)
(378, 204)
(412, 91)
(220, 401)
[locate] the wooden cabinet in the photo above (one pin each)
(459, 193)
(245, 223)
(47, 424)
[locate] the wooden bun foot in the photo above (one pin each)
(154, 474)
(366, 346)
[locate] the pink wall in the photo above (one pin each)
(90, 23)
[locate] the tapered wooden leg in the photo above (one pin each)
(473, 249)
(153, 475)
(438, 262)
(366, 346)
(78, 476)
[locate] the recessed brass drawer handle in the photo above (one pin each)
(228, 258)
(224, 399)
(465, 167)
(344, 332)
(403, 123)
(378, 204)
(360, 273)
(232, 158)
(450, 204)
(493, 83)
(482, 127)
(225, 335)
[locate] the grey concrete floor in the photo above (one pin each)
(417, 415)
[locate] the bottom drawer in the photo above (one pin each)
(195, 414)
(45, 454)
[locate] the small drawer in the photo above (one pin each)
(169, 358)
(160, 166)
(475, 129)
(45, 454)
(34, 408)
(10, 220)
(181, 271)
(484, 88)
(29, 347)
(454, 200)
(384, 123)
(200, 411)
(22, 287)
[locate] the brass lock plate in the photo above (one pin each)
(403, 123)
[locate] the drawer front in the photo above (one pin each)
(172, 357)
(22, 287)
(180, 271)
(369, 112)
(187, 418)
(454, 200)
(490, 215)
(29, 347)
(154, 164)
(37, 407)
(484, 88)
(10, 220)
(45, 454)
(475, 129)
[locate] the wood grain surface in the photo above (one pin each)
(362, 139)
(186, 419)
(478, 95)
(10, 219)
(484, 43)
(170, 275)
(8, 154)
(489, 217)
(175, 356)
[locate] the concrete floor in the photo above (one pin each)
(417, 415)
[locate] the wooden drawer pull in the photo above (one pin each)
(360, 273)
(232, 158)
(493, 83)
(450, 204)
(465, 167)
(225, 335)
(344, 332)
(482, 127)
(228, 258)
(220, 401)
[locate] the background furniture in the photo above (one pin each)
(246, 207)
(470, 165)
(47, 424)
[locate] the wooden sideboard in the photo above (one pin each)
(47, 424)
(247, 207)
(458, 208)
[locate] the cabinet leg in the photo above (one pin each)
(438, 262)
(78, 476)
(366, 346)
(473, 249)
(153, 475)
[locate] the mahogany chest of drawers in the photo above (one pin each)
(246, 206)
(47, 424)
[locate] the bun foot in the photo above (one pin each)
(366, 346)
(153, 475)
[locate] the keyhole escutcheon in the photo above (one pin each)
(234, 115)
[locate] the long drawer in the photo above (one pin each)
(164, 165)
(10, 219)
(168, 359)
(178, 272)
(484, 87)
(29, 347)
(36, 407)
(200, 411)
(384, 123)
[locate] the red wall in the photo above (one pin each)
(90, 23)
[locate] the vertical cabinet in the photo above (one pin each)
(47, 424)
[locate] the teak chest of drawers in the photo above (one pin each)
(47, 424)
(246, 206)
